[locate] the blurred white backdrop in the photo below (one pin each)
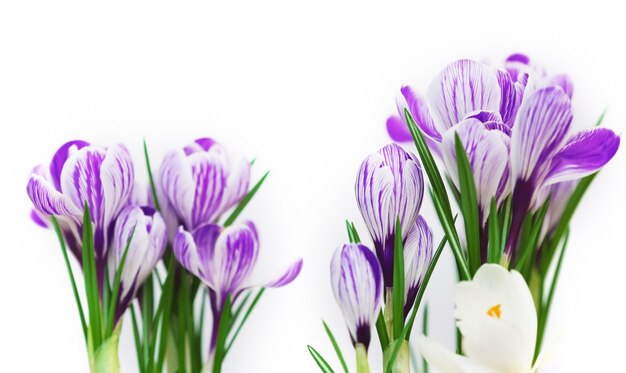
(305, 87)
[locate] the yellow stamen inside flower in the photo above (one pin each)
(495, 311)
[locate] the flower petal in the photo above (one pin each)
(389, 186)
(237, 183)
(118, 180)
(48, 200)
(505, 340)
(418, 108)
(176, 184)
(418, 252)
(59, 158)
(397, 129)
(286, 277)
(542, 123)
(357, 283)
(583, 154)
(462, 87)
(488, 155)
(446, 361)
(509, 100)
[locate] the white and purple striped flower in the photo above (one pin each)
(418, 253)
(514, 124)
(82, 173)
(144, 231)
(199, 182)
(357, 282)
(389, 186)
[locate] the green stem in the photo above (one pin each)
(388, 313)
(362, 364)
(402, 362)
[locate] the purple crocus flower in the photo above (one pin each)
(146, 247)
(79, 173)
(485, 106)
(418, 253)
(200, 182)
(356, 278)
(389, 186)
(224, 258)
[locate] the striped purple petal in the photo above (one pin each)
(143, 230)
(59, 158)
(389, 186)
(201, 181)
(397, 129)
(539, 132)
(583, 154)
(488, 154)
(418, 252)
(417, 106)
(462, 87)
(509, 102)
(48, 200)
(357, 283)
(286, 277)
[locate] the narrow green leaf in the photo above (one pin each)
(381, 329)
(601, 118)
(506, 218)
(91, 280)
(357, 239)
(425, 332)
(545, 309)
(563, 224)
(398, 281)
(222, 332)
(245, 318)
(494, 247)
(469, 205)
(244, 201)
(530, 246)
(240, 307)
(350, 234)
(324, 366)
(155, 198)
(453, 239)
(116, 288)
(162, 317)
(333, 341)
(140, 361)
(79, 304)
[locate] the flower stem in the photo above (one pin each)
(362, 364)
(402, 363)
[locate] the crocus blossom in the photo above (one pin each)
(81, 173)
(418, 253)
(143, 230)
(514, 124)
(199, 182)
(356, 279)
(224, 259)
(389, 186)
(496, 316)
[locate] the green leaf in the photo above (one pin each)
(155, 198)
(245, 318)
(162, 316)
(357, 239)
(563, 224)
(350, 234)
(381, 329)
(506, 218)
(244, 201)
(222, 332)
(91, 280)
(333, 341)
(398, 281)
(494, 246)
(601, 118)
(141, 363)
(469, 205)
(116, 287)
(79, 305)
(106, 356)
(425, 332)
(530, 246)
(320, 360)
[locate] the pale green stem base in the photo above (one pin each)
(362, 364)
(106, 358)
(402, 364)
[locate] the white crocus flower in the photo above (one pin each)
(496, 316)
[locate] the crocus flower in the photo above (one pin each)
(497, 318)
(418, 253)
(79, 173)
(223, 259)
(389, 186)
(199, 182)
(534, 110)
(356, 279)
(143, 230)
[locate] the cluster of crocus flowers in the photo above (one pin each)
(88, 194)
(381, 286)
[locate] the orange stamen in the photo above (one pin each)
(495, 311)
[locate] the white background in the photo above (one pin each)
(305, 88)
